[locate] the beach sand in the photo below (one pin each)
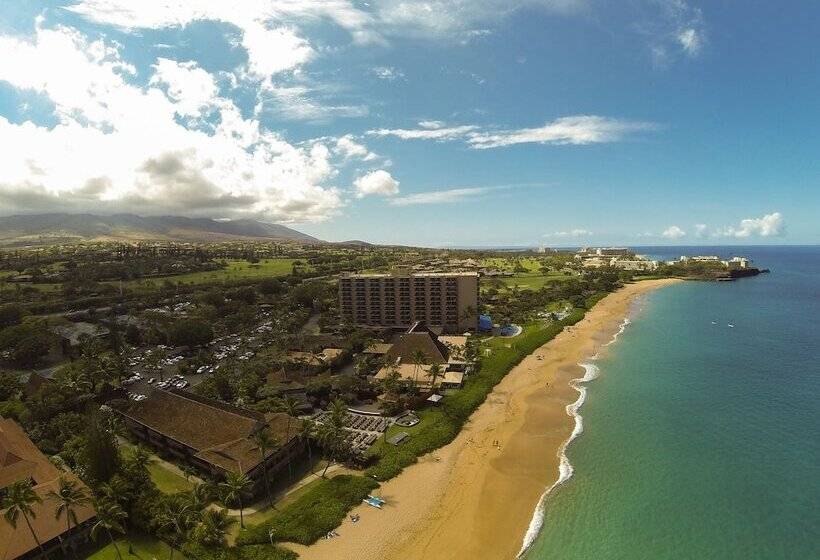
(475, 497)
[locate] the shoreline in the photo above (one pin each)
(455, 502)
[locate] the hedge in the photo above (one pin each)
(312, 515)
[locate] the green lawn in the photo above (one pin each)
(531, 281)
(235, 270)
(166, 480)
(145, 547)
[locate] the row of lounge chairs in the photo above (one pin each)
(359, 422)
(360, 442)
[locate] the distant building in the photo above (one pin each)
(448, 301)
(738, 263)
(20, 460)
(72, 334)
(214, 437)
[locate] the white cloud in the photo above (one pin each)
(387, 73)
(440, 133)
(192, 88)
(349, 148)
(378, 182)
(770, 225)
(577, 130)
(673, 232)
(119, 147)
(701, 230)
(297, 103)
(271, 51)
(457, 18)
(441, 197)
(578, 232)
(691, 40)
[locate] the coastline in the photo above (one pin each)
(455, 502)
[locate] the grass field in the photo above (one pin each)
(530, 263)
(235, 270)
(166, 480)
(532, 281)
(145, 547)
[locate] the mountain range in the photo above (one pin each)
(41, 229)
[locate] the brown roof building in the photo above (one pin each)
(214, 437)
(21, 460)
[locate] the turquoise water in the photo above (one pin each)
(702, 441)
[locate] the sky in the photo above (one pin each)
(437, 122)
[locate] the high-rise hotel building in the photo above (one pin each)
(439, 299)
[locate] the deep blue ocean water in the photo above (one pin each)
(701, 440)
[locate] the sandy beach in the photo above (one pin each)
(475, 497)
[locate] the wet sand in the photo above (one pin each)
(475, 497)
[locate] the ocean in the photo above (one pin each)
(701, 427)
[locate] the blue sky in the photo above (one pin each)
(445, 122)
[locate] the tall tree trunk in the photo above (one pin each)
(265, 478)
(110, 536)
(33, 534)
(241, 516)
(287, 440)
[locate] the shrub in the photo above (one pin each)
(312, 515)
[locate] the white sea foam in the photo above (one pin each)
(565, 469)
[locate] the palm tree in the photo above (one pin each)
(291, 408)
(139, 462)
(434, 373)
(177, 521)
(20, 496)
(418, 358)
(234, 489)
(110, 517)
(265, 442)
(307, 430)
(69, 496)
(213, 528)
(332, 434)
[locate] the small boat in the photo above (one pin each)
(730, 325)
(714, 322)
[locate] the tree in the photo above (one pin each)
(307, 431)
(234, 488)
(110, 518)
(20, 496)
(69, 496)
(30, 351)
(291, 408)
(176, 520)
(100, 457)
(138, 463)
(213, 528)
(332, 434)
(434, 373)
(418, 358)
(10, 314)
(265, 442)
(190, 332)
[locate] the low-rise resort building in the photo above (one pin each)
(414, 354)
(213, 437)
(20, 460)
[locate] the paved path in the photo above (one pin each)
(262, 504)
